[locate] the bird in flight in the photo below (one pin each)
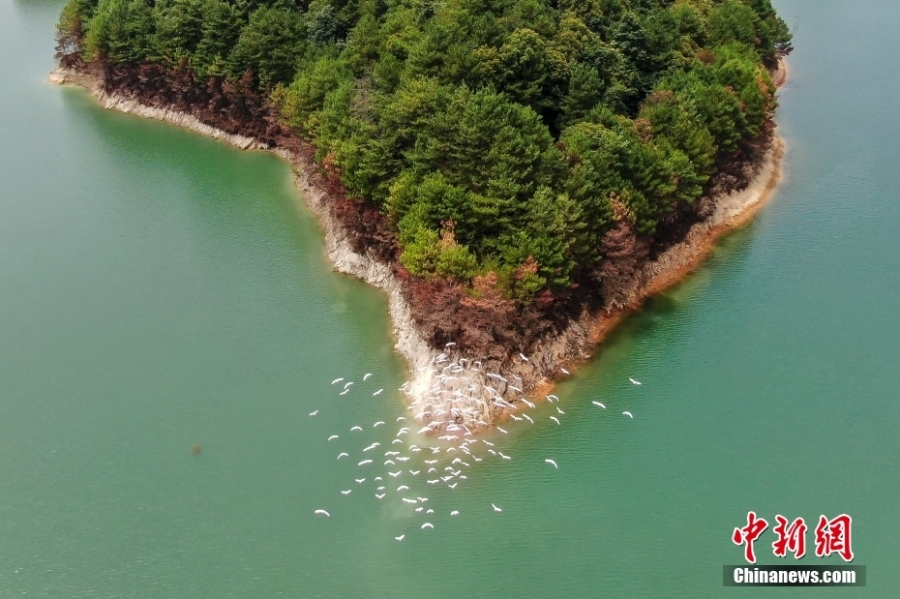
(322, 513)
(597, 403)
(626, 413)
(314, 413)
(496, 509)
(634, 382)
(400, 538)
(549, 461)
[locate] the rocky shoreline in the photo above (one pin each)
(449, 390)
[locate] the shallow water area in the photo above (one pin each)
(160, 291)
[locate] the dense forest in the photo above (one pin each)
(508, 143)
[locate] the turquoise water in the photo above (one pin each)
(159, 290)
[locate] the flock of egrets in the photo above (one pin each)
(452, 400)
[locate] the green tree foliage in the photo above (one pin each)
(502, 138)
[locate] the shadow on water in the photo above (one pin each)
(728, 257)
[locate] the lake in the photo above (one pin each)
(161, 291)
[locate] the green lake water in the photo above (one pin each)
(160, 290)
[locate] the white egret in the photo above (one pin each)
(528, 417)
(356, 428)
(559, 410)
(496, 509)
(377, 424)
(347, 492)
(634, 382)
(554, 419)
(366, 376)
(314, 413)
(549, 461)
(364, 462)
(521, 355)
(333, 437)
(322, 513)
(564, 371)
(343, 455)
(336, 381)
(502, 430)
(396, 474)
(359, 481)
(379, 495)
(347, 385)
(629, 414)
(597, 403)
(377, 392)
(400, 538)
(454, 513)
(427, 525)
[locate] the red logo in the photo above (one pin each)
(832, 536)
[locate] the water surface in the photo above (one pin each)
(159, 290)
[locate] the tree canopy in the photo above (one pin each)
(500, 137)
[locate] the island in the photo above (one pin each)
(517, 175)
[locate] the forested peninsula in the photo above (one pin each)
(507, 170)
